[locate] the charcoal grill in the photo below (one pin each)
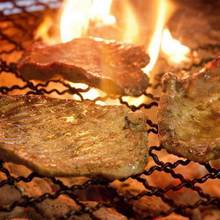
(18, 20)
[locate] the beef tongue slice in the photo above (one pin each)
(113, 67)
(189, 114)
(57, 137)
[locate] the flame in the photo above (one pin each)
(100, 12)
(77, 15)
(174, 49)
(43, 32)
(131, 28)
(74, 19)
(91, 94)
(163, 11)
(162, 40)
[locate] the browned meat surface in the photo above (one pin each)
(204, 21)
(210, 214)
(58, 137)
(112, 67)
(189, 114)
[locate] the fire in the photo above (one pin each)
(155, 43)
(131, 29)
(74, 19)
(101, 12)
(162, 40)
(92, 94)
(77, 15)
(43, 32)
(174, 49)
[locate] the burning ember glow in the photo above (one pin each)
(175, 51)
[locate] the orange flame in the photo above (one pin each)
(100, 12)
(174, 49)
(162, 39)
(155, 43)
(74, 19)
(77, 15)
(131, 29)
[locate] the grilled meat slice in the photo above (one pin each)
(189, 114)
(112, 67)
(58, 137)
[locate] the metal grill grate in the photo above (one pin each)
(132, 197)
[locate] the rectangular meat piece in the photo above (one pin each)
(189, 114)
(58, 137)
(113, 67)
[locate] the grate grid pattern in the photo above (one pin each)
(12, 26)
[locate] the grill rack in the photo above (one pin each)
(119, 201)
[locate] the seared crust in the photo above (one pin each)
(58, 137)
(189, 114)
(110, 66)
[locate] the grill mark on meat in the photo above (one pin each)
(189, 122)
(58, 137)
(112, 67)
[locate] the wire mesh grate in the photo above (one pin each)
(160, 190)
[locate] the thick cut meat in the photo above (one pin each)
(189, 114)
(112, 67)
(58, 137)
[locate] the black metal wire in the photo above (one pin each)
(123, 203)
